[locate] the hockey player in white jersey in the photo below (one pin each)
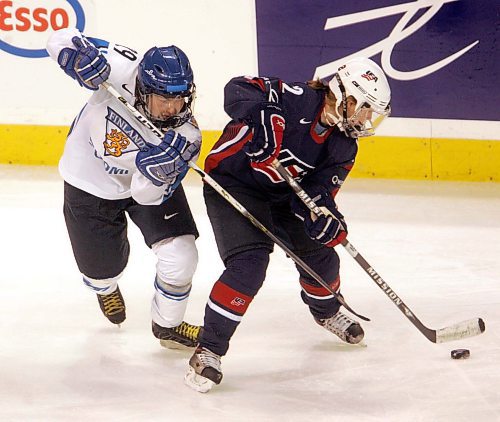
(112, 165)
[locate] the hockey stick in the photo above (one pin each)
(464, 329)
(237, 205)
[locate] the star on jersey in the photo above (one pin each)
(121, 137)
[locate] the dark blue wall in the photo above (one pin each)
(292, 43)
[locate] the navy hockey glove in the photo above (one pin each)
(328, 230)
(162, 164)
(268, 128)
(85, 64)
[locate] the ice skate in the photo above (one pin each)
(181, 337)
(113, 306)
(204, 370)
(344, 327)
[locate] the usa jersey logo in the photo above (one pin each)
(297, 168)
(238, 301)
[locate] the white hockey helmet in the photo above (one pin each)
(363, 79)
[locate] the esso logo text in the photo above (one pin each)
(24, 28)
(23, 19)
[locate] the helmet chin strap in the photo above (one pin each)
(332, 119)
(345, 124)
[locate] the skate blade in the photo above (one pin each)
(197, 382)
(173, 345)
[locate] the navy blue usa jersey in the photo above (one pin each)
(315, 155)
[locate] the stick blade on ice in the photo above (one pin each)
(464, 329)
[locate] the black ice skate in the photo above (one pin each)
(183, 336)
(113, 306)
(344, 327)
(204, 370)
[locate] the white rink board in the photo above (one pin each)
(218, 36)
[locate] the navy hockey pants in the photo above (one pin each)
(245, 252)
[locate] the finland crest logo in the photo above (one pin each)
(120, 137)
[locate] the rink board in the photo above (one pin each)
(379, 157)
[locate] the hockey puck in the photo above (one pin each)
(460, 354)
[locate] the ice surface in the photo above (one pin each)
(437, 245)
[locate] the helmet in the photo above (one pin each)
(166, 71)
(364, 80)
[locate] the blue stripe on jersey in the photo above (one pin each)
(98, 42)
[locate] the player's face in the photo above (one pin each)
(162, 107)
(351, 106)
(331, 115)
(360, 117)
(363, 114)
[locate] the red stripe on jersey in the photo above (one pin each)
(232, 300)
(320, 290)
(334, 192)
(258, 83)
(214, 159)
(293, 171)
(268, 171)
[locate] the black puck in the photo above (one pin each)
(460, 354)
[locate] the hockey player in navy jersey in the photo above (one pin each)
(112, 166)
(312, 128)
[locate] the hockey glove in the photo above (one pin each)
(330, 230)
(85, 64)
(163, 163)
(268, 127)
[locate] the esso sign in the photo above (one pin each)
(23, 18)
(24, 27)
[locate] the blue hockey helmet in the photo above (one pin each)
(166, 71)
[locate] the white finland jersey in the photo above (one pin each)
(99, 155)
